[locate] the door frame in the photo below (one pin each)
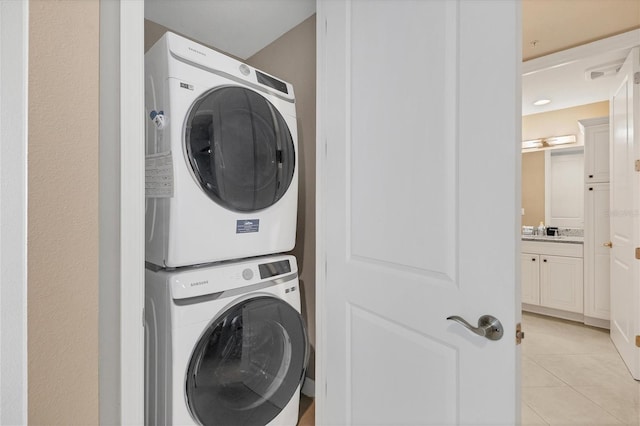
(14, 76)
(130, 251)
(121, 275)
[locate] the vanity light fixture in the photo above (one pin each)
(541, 102)
(546, 143)
(560, 140)
(531, 144)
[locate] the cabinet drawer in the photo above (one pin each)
(552, 249)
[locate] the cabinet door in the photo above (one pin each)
(564, 187)
(561, 282)
(530, 278)
(596, 153)
(596, 255)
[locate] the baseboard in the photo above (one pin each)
(597, 322)
(309, 387)
(571, 316)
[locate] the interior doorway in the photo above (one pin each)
(541, 365)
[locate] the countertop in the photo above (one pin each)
(560, 239)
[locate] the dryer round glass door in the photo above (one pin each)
(239, 148)
(248, 364)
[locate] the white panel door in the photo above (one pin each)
(418, 207)
(625, 222)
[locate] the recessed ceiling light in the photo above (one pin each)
(541, 102)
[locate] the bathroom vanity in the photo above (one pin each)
(569, 276)
(553, 277)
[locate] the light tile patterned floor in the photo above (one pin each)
(572, 375)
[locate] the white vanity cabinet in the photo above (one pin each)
(596, 227)
(596, 149)
(552, 278)
(596, 255)
(530, 278)
(561, 283)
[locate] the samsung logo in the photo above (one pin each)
(196, 51)
(199, 283)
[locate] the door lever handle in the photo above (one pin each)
(488, 326)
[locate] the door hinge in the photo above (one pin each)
(637, 165)
(638, 341)
(636, 77)
(638, 253)
(519, 333)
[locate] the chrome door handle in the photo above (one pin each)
(488, 326)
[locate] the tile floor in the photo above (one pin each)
(572, 375)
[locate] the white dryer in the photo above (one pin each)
(224, 344)
(221, 165)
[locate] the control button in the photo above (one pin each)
(244, 69)
(247, 274)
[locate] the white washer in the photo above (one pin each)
(221, 167)
(224, 344)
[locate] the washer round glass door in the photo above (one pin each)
(239, 148)
(248, 364)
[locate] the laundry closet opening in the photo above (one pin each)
(289, 58)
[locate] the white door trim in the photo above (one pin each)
(132, 211)
(122, 212)
(14, 48)
(321, 258)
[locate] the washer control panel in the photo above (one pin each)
(204, 280)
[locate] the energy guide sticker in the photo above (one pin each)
(159, 175)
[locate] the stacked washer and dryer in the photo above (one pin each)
(225, 343)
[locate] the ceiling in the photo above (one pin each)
(243, 27)
(239, 27)
(557, 25)
(552, 26)
(577, 76)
